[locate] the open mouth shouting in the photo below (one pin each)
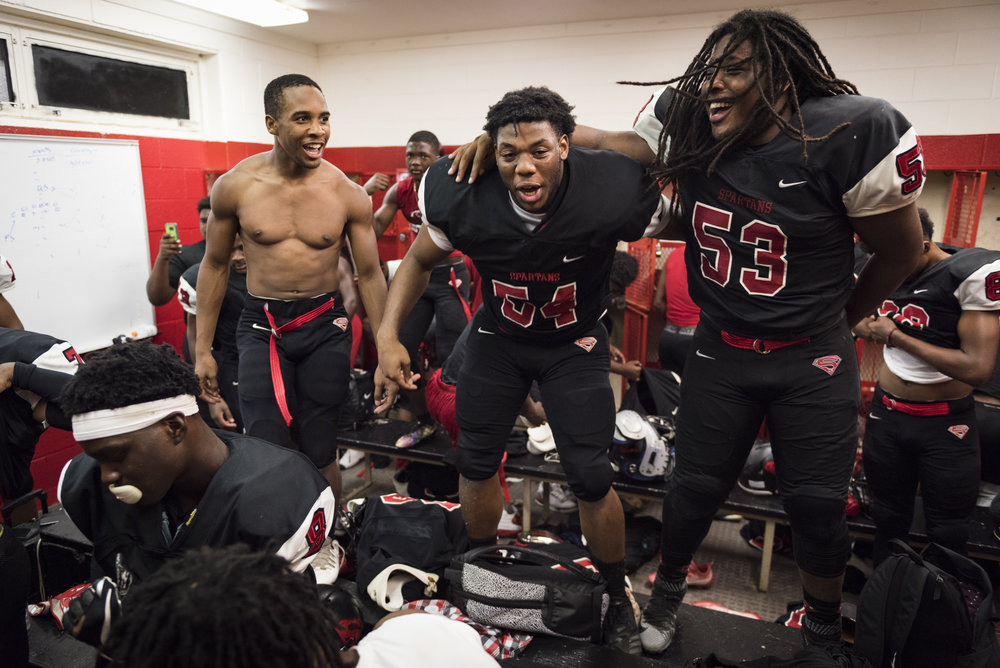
(529, 195)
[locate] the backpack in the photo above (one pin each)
(927, 609)
(397, 532)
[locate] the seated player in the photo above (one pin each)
(155, 480)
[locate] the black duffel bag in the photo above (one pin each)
(529, 589)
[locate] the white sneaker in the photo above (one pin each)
(351, 458)
(327, 562)
(510, 521)
(561, 499)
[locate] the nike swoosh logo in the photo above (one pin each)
(483, 331)
(572, 259)
(367, 396)
(917, 292)
(782, 184)
(872, 416)
(701, 354)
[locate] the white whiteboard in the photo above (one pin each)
(73, 226)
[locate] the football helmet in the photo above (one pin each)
(639, 450)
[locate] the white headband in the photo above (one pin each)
(114, 421)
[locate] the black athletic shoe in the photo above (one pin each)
(620, 628)
(659, 618)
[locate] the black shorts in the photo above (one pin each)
(809, 394)
(315, 367)
(575, 390)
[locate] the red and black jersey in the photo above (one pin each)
(548, 285)
(230, 311)
(770, 249)
(406, 200)
(263, 495)
(929, 305)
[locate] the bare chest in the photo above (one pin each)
(312, 214)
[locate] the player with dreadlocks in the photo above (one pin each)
(775, 164)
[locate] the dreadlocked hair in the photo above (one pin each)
(217, 608)
(528, 105)
(127, 374)
(784, 57)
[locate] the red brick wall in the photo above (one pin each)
(175, 175)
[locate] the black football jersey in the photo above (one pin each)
(928, 306)
(770, 249)
(229, 311)
(548, 285)
(265, 496)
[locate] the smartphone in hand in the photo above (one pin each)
(171, 229)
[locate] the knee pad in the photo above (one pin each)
(592, 481)
(695, 497)
(819, 534)
(476, 465)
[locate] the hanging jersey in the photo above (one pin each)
(770, 249)
(263, 495)
(406, 199)
(548, 285)
(229, 311)
(929, 306)
(7, 278)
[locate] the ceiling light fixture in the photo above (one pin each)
(264, 13)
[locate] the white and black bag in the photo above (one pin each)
(529, 589)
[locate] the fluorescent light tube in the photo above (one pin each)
(264, 13)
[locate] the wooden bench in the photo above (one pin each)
(379, 437)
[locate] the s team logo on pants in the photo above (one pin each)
(587, 343)
(827, 363)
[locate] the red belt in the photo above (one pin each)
(762, 346)
(936, 408)
(276, 332)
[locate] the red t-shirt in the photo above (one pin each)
(681, 311)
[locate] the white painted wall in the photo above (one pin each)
(941, 67)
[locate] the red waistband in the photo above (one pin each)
(276, 380)
(762, 346)
(936, 408)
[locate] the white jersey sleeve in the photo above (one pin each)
(886, 186)
(7, 279)
(647, 125)
(187, 296)
(981, 290)
(436, 234)
(299, 550)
